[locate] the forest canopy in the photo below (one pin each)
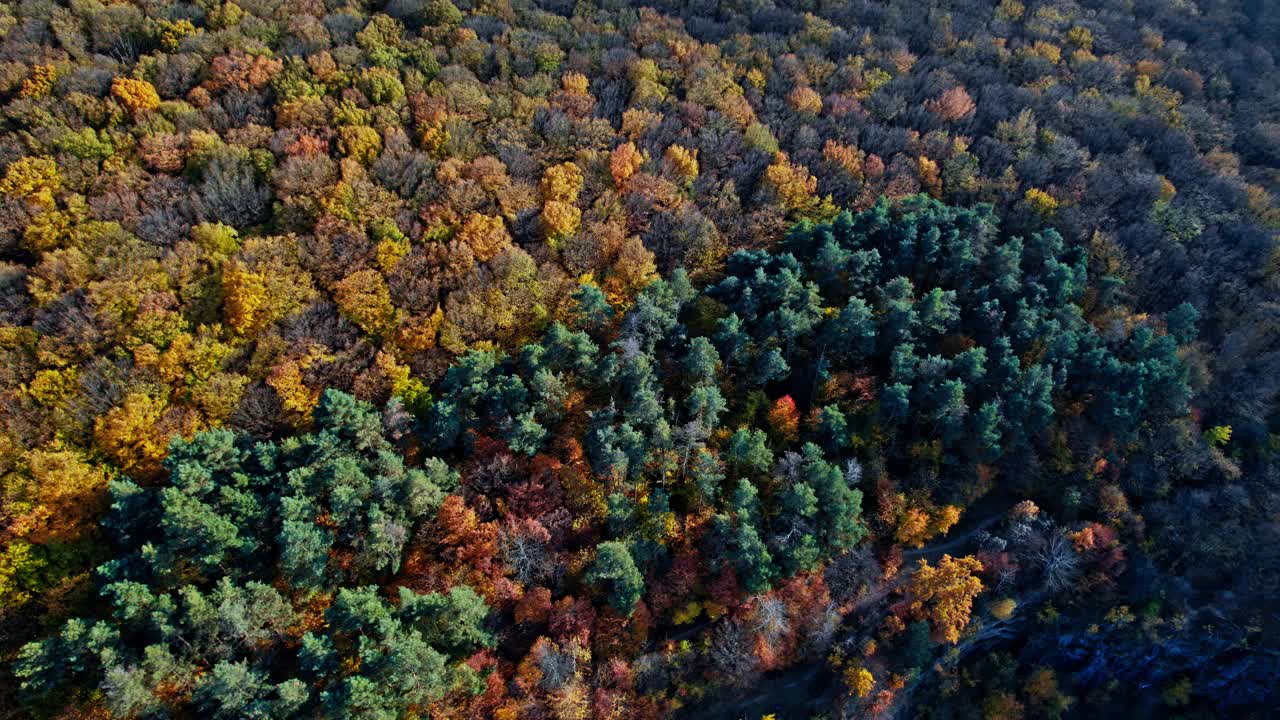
(538, 359)
(703, 450)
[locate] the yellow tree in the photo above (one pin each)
(560, 187)
(34, 178)
(360, 143)
(560, 220)
(859, 680)
(364, 298)
(244, 298)
(485, 235)
(791, 184)
(805, 100)
(944, 595)
(55, 495)
(130, 435)
(682, 163)
(916, 525)
(135, 94)
(263, 283)
(561, 183)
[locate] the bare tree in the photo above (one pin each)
(1059, 565)
(524, 548)
(769, 618)
(731, 654)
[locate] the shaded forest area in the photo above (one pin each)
(604, 360)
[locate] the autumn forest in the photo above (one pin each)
(554, 360)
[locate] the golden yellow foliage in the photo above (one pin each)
(561, 183)
(686, 613)
(916, 525)
(1010, 10)
(295, 396)
(360, 143)
(847, 157)
(1042, 690)
(913, 527)
(944, 594)
(1003, 608)
(389, 252)
(572, 702)
(682, 163)
(636, 120)
(576, 83)
(257, 295)
(33, 178)
(560, 220)
(40, 83)
(50, 386)
(1041, 201)
(244, 298)
(135, 94)
(219, 395)
(363, 297)
(130, 436)
(1048, 51)
(419, 333)
(930, 176)
(485, 235)
(944, 518)
(1081, 38)
(169, 33)
(859, 680)
(56, 495)
(792, 184)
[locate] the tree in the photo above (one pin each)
(702, 362)
(859, 680)
(1181, 322)
(624, 161)
(706, 474)
(831, 428)
(682, 163)
(944, 594)
(233, 690)
(615, 568)
(34, 178)
(784, 419)
(318, 514)
(177, 182)
(135, 94)
(364, 298)
(593, 310)
(747, 550)
(791, 184)
(131, 435)
(748, 451)
(954, 104)
(839, 506)
(805, 100)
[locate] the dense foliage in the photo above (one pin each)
(620, 477)
(321, 319)
(247, 585)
